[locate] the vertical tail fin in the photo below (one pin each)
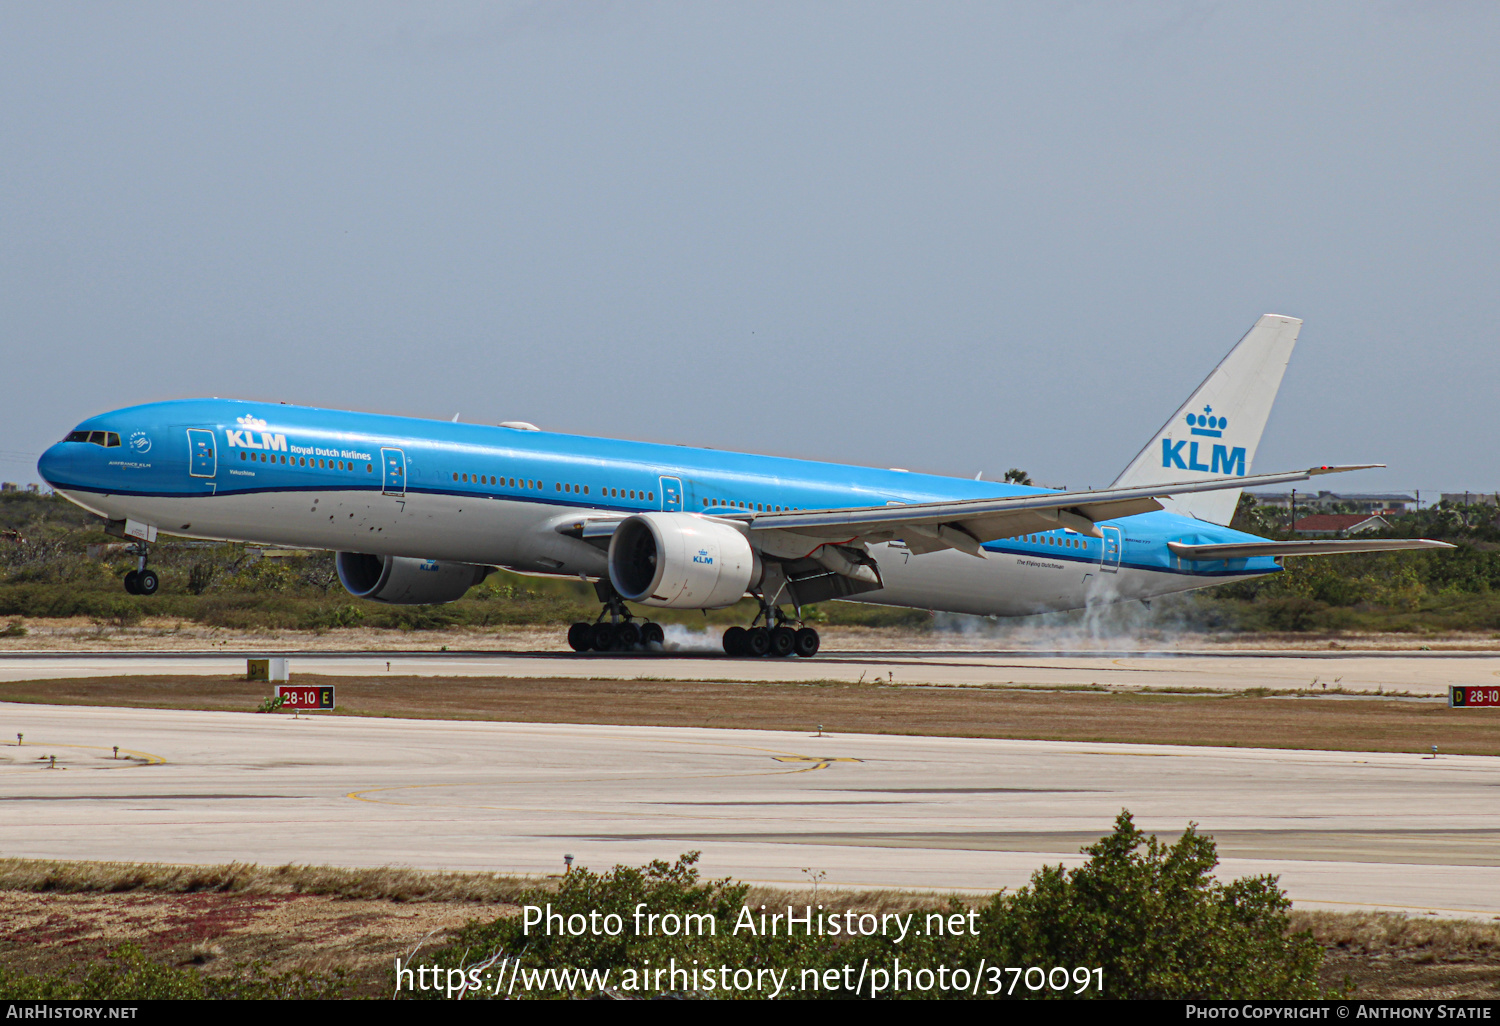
(1215, 433)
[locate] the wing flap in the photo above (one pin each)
(1311, 547)
(952, 524)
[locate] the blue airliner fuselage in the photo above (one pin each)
(497, 496)
(419, 511)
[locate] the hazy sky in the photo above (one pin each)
(943, 236)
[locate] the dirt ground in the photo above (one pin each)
(1235, 720)
(1381, 957)
(168, 634)
(46, 933)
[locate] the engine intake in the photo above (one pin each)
(681, 561)
(402, 581)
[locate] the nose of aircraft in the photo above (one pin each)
(53, 464)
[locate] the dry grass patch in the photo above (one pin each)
(1244, 721)
(384, 884)
(1398, 957)
(59, 915)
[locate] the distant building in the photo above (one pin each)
(1472, 498)
(1339, 525)
(9, 486)
(34, 489)
(1381, 503)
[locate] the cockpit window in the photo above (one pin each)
(109, 439)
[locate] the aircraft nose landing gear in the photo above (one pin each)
(141, 581)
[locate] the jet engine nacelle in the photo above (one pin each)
(681, 561)
(405, 582)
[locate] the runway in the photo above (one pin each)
(1417, 673)
(1342, 830)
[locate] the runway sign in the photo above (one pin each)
(305, 698)
(268, 669)
(1465, 697)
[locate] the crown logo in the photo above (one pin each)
(250, 422)
(1206, 423)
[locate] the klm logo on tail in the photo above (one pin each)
(1224, 460)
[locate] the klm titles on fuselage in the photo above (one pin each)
(1223, 459)
(277, 443)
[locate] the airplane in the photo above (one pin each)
(420, 511)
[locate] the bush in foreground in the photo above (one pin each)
(1148, 914)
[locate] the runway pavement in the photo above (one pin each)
(1343, 830)
(1420, 673)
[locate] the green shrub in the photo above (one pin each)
(1149, 917)
(1153, 917)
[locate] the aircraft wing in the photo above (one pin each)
(1314, 547)
(965, 524)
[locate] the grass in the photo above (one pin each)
(385, 884)
(290, 916)
(1236, 720)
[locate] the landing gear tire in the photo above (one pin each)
(807, 642)
(146, 582)
(783, 642)
(757, 641)
(734, 641)
(652, 634)
(130, 583)
(603, 637)
(579, 637)
(627, 635)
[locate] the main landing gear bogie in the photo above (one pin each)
(624, 636)
(778, 642)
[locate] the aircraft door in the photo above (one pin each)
(393, 471)
(203, 460)
(671, 495)
(1113, 544)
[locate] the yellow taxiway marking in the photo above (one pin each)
(819, 761)
(146, 757)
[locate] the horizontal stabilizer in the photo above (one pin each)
(1314, 547)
